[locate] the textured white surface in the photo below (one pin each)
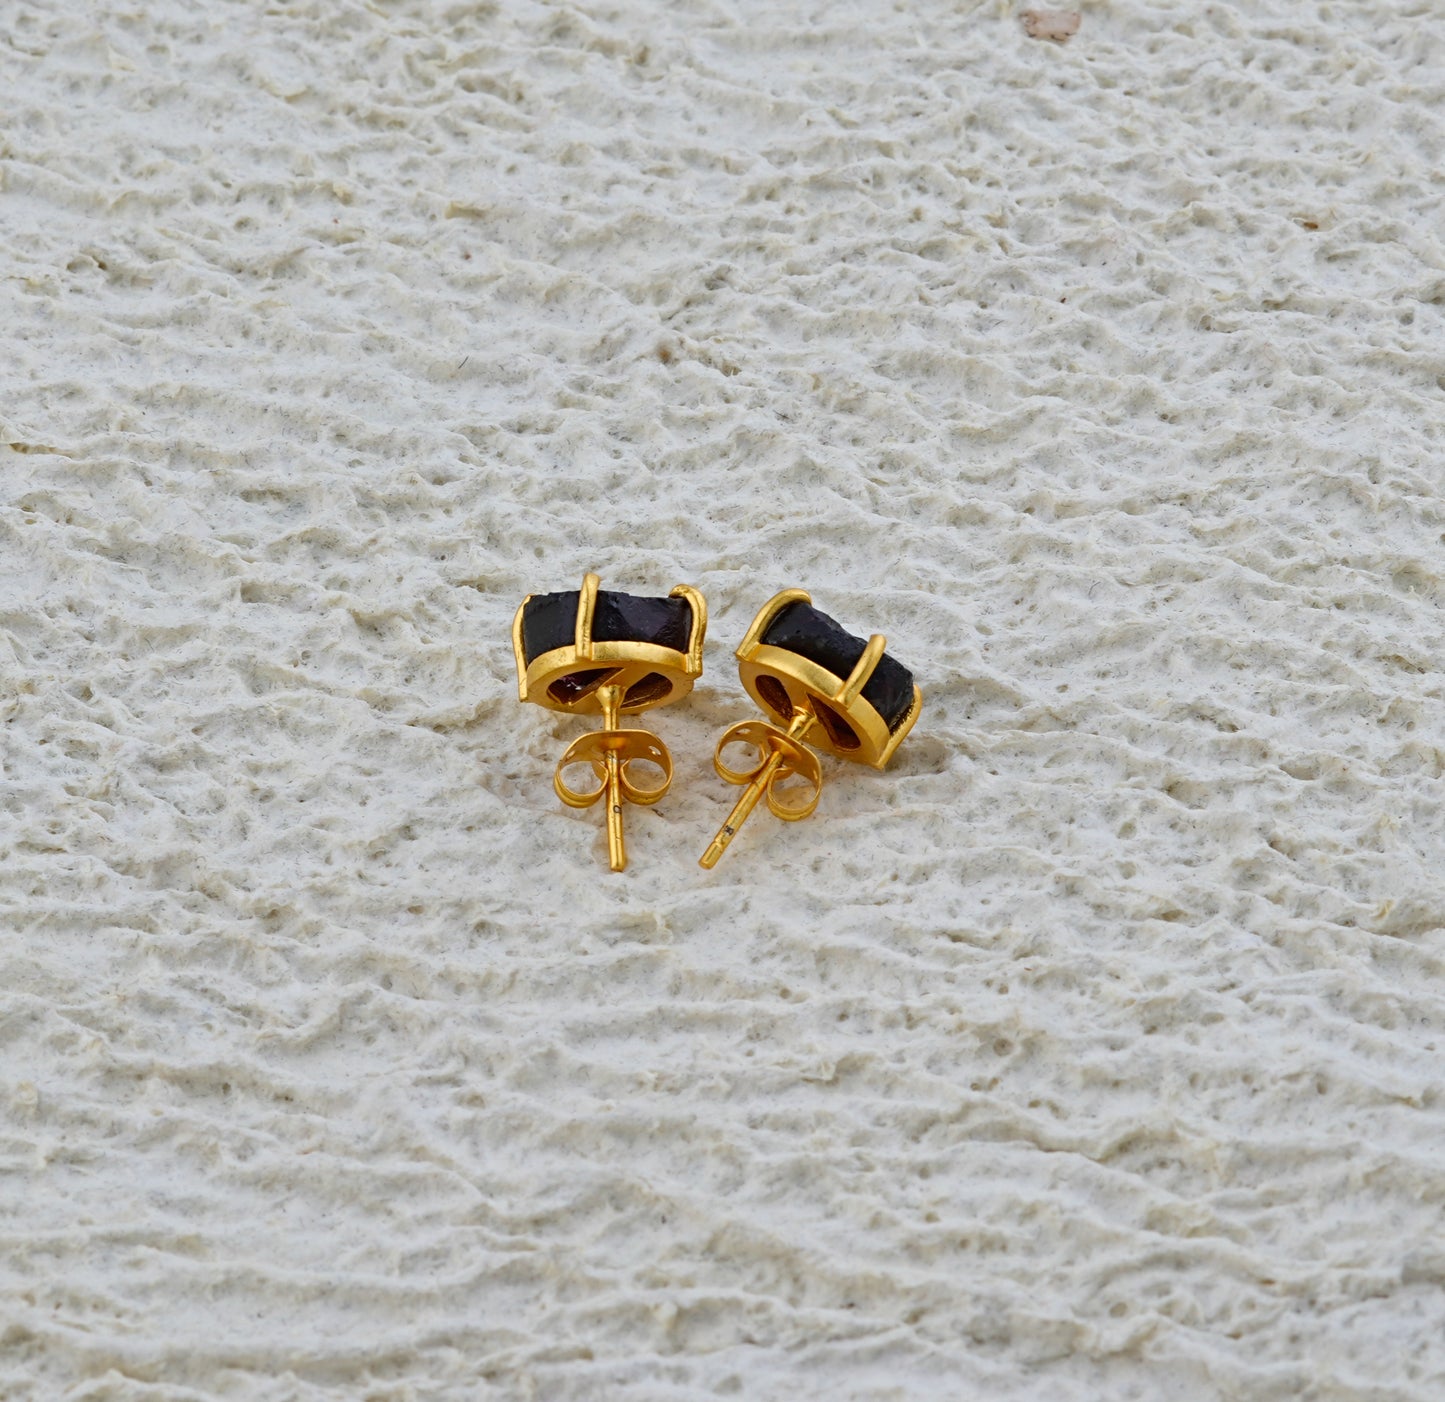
(1094, 1051)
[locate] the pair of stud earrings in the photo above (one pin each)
(591, 650)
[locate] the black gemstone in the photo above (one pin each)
(550, 621)
(810, 633)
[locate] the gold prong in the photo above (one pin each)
(586, 607)
(909, 720)
(765, 616)
(863, 668)
(518, 650)
(699, 625)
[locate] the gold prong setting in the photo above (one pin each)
(611, 676)
(815, 704)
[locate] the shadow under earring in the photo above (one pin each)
(828, 689)
(589, 650)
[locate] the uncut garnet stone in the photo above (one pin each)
(810, 633)
(550, 621)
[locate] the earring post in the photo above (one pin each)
(610, 699)
(748, 800)
(741, 810)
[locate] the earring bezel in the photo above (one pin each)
(830, 698)
(621, 663)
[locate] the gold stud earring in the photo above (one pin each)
(591, 650)
(829, 689)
